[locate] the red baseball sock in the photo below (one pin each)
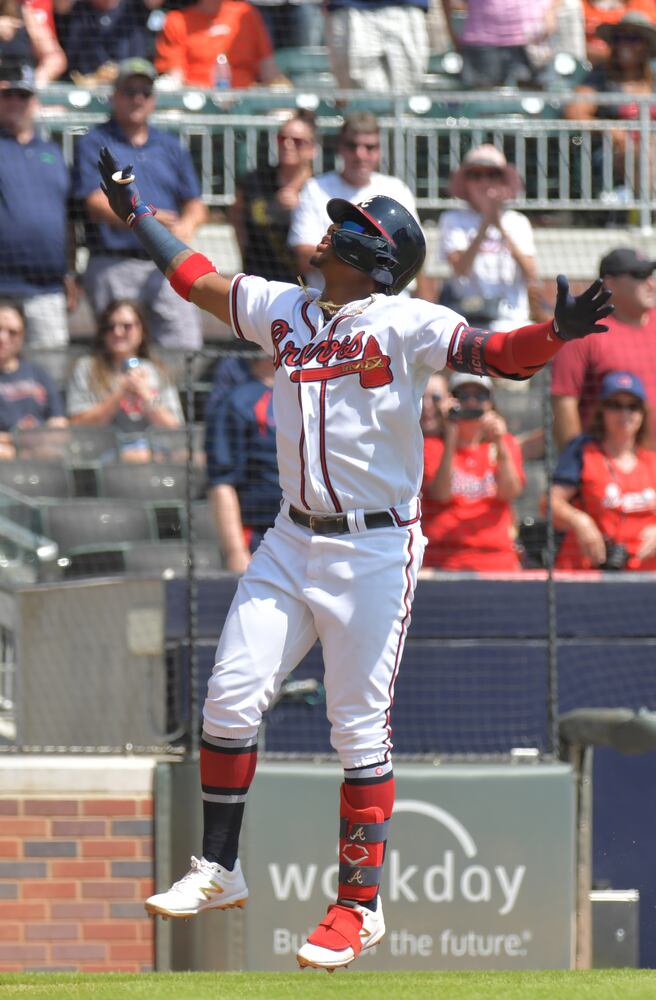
(227, 768)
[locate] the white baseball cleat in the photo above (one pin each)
(347, 930)
(206, 886)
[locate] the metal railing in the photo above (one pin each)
(566, 165)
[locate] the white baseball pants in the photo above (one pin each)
(353, 592)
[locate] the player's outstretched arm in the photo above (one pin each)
(521, 353)
(191, 274)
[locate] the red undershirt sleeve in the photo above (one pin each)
(515, 354)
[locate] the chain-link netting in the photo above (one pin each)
(138, 469)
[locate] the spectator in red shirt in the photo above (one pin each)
(28, 38)
(604, 493)
(630, 343)
(471, 476)
(192, 40)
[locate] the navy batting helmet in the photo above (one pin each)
(380, 237)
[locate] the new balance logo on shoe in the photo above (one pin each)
(206, 886)
(211, 890)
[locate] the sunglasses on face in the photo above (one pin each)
(24, 95)
(616, 405)
(134, 91)
(626, 38)
(484, 175)
(298, 142)
(110, 327)
(480, 395)
(352, 146)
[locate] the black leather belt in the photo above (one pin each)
(337, 524)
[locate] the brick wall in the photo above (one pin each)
(74, 871)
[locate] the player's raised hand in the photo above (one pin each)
(576, 316)
(120, 189)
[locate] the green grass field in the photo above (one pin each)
(612, 984)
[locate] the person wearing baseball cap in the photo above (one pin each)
(604, 493)
(489, 247)
(472, 474)
(17, 80)
(625, 260)
(118, 267)
(34, 232)
(629, 344)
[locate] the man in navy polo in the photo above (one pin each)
(242, 465)
(118, 266)
(34, 190)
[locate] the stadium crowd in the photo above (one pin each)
(485, 459)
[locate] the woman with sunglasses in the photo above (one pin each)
(472, 474)
(266, 198)
(604, 492)
(121, 384)
(627, 70)
(489, 247)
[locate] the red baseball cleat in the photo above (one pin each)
(345, 931)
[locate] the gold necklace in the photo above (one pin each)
(331, 308)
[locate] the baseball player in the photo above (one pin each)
(340, 564)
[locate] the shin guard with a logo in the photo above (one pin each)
(362, 836)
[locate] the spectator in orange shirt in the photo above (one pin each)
(192, 40)
(598, 12)
(472, 474)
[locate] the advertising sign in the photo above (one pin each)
(479, 870)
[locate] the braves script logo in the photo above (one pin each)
(354, 357)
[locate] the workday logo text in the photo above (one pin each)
(456, 873)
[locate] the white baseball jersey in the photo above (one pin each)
(310, 219)
(348, 391)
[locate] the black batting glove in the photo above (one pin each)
(576, 316)
(120, 189)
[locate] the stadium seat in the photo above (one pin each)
(98, 523)
(306, 59)
(56, 361)
(37, 478)
(379, 104)
(306, 65)
(169, 559)
(174, 361)
(444, 71)
(93, 560)
(204, 530)
(18, 509)
(75, 445)
(171, 445)
(158, 482)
